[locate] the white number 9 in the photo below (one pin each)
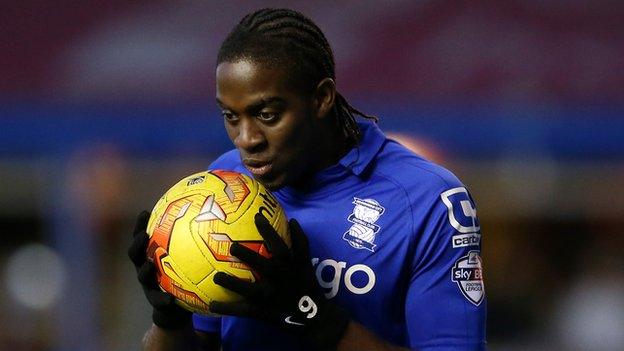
(306, 304)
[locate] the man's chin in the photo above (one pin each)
(271, 183)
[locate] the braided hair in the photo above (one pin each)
(288, 39)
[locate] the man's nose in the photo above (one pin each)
(250, 137)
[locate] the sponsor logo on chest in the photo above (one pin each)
(331, 274)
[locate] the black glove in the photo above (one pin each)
(166, 314)
(287, 292)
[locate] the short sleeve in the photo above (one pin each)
(446, 306)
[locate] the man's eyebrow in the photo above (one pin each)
(268, 101)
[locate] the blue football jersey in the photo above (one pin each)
(395, 240)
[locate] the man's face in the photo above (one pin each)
(270, 123)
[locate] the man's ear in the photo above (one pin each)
(324, 97)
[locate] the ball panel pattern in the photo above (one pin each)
(193, 226)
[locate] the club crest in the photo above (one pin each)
(361, 235)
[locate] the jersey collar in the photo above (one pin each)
(359, 157)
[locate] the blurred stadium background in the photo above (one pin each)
(104, 104)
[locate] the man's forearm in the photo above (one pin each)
(356, 337)
(158, 339)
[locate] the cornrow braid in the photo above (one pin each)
(283, 37)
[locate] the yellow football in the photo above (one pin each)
(192, 227)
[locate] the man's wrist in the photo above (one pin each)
(171, 320)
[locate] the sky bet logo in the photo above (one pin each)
(462, 214)
(468, 275)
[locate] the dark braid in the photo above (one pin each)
(287, 38)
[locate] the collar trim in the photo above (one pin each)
(358, 158)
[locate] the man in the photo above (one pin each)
(385, 252)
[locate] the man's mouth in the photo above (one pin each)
(257, 167)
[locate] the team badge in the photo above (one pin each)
(362, 233)
(468, 275)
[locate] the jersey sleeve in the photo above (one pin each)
(445, 304)
(206, 324)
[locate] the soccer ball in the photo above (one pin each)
(192, 227)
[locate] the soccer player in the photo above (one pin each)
(385, 244)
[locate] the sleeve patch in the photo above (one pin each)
(462, 216)
(468, 275)
(462, 212)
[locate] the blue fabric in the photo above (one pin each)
(394, 240)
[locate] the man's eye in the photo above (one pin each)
(268, 116)
(229, 116)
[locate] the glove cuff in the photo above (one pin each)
(328, 330)
(174, 319)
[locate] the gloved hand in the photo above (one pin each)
(166, 314)
(287, 292)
